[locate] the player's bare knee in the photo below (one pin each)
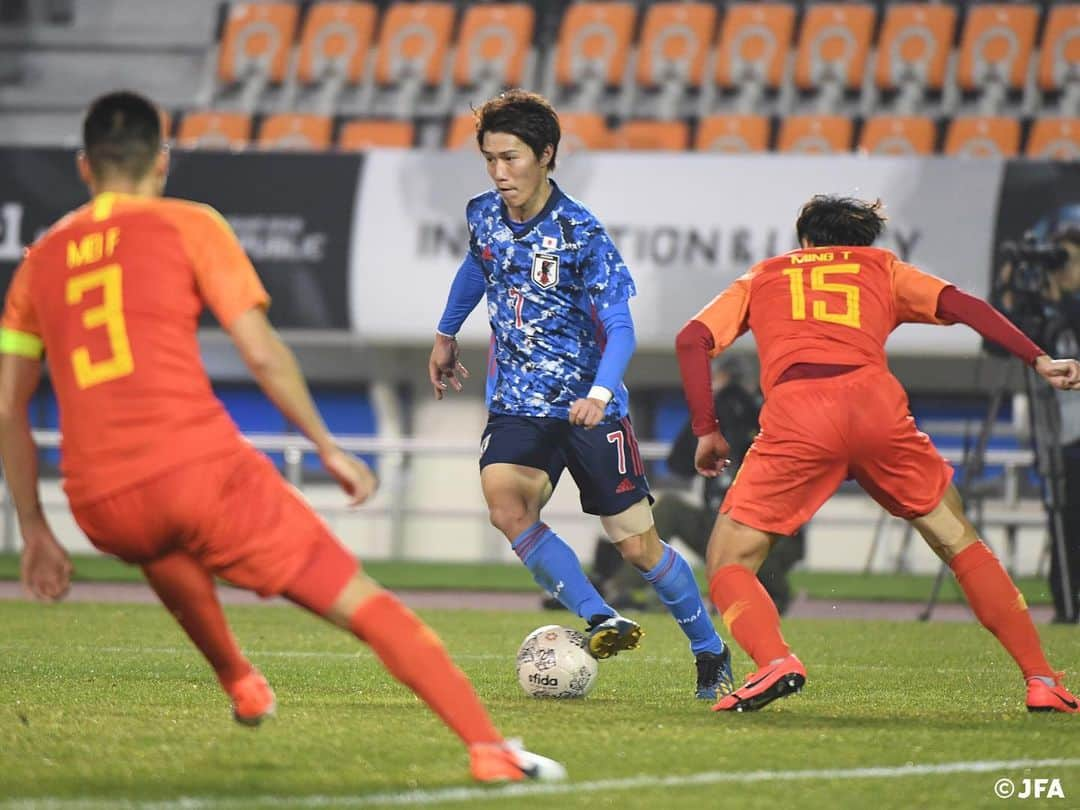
(734, 543)
(511, 516)
(946, 529)
(356, 591)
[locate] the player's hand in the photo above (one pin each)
(444, 366)
(711, 456)
(1062, 374)
(588, 413)
(352, 474)
(46, 569)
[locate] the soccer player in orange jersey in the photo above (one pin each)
(820, 316)
(156, 472)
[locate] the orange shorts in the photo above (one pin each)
(817, 432)
(234, 513)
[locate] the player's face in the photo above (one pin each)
(518, 174)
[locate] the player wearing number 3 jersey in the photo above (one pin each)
(820, 316)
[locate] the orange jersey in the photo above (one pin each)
(113, 294)
(833, 305)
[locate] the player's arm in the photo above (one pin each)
(467, 289)
(618, 349)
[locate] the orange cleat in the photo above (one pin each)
(253, 699)
(1056, 698)
(509, 762)
(772, 681)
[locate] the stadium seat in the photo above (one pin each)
(493, 47)
(582, 131)
(815, 134)
(898, 135)
(978, 136)
(295, 131)
(369, 134)
(1054, 139)
(592, 52)
(733, 133)
(674, 44)
(255, 48)
(994, 52)
(833, 45)
(913, 50)
(336, 41)
(652, 135)
(1059, 65)
(413, 42)
(462, 131)
(214, 130)
(755, 40)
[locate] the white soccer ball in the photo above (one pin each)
(555, 662)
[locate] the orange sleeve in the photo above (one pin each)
(226, 279)
(726, 315)
(20, 332)
(916, 294)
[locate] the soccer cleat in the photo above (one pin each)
(772, 681)
(509, 762)
(714, 677)
(1056, 698)
(610, 635)
(253, 699)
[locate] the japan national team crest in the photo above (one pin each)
(545, 270)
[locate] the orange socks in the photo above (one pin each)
(749, 613)
(1000, 607)
(414, 655)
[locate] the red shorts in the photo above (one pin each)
(817, 432)
(234, 513)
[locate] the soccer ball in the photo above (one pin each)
(554, 662)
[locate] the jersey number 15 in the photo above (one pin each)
(820, 283)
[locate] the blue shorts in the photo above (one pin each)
(605, 461)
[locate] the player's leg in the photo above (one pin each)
(519, 466)
(187, 591)
(995, 600)
(332, 585)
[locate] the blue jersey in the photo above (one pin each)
(547, 280)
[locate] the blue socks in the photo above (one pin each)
(675, 585)
(557, 570)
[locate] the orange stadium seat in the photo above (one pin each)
(413, 42)
(1060, 60)
(996, 45)
(1054, 139)
(582, 131)
(594, 41)
(369, 134)
(295, 131)
(494, 42)
(214, 130)
(652, 135)
(336, 39)
(898, 135)
(461, 132)
(833, 45)
(755, 40)
(983, 137)
(674, 43)
(257, 38)
(914, 45)
(815, 134)
(733, 133)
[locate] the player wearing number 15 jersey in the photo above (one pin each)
(820, 316)
(155, 470)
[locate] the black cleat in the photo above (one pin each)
(714, 678)
(610, 635)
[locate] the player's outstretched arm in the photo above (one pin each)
(277, 373)
(45, 568)
(444, 365)
(1063, 374)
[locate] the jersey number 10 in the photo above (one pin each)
(819, 283)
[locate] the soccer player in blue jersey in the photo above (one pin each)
(557, 292)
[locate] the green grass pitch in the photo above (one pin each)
(107, 706)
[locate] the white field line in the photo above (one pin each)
(522, 791)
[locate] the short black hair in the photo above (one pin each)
(122, 134)
(829, 219)
(524, 114)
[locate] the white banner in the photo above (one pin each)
(687, 225)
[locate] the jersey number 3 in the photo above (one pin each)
(819, 282)
(110, 314)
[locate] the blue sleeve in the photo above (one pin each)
(607, 277)
(621, 342)
(465, 293)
